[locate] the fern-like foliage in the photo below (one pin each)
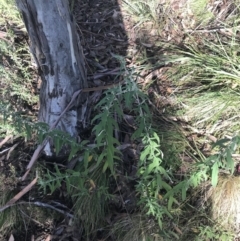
(110, 110)
(222, 160)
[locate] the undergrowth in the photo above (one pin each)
(205, 83)
(208, 86)
(151, 176)
(159, 191)
(17, 74)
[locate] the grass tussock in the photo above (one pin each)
(91, 203)
(224, 199)
(8, 218)
(135, 227)
(207, 86)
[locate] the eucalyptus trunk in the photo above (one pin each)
(56, 48)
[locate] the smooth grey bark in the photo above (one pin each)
(57, 51)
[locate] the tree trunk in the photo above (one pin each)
(57, 51)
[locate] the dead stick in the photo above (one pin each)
(19, 195)
(5, 140)
(104, 87)
(45, 205)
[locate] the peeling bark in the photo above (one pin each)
(57, 51)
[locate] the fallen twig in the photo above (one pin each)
(19, 195)
(5, 140)
(223, 30)
(100, 75)
(39, 204)
(11, 150)
(46, 205)
(2, 152)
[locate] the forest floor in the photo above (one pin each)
(185, 58)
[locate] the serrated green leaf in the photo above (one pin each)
(159, 181)
(52, 188)
(156, 137)
(138, 133)
(57, 145)
(145, 153)
(127, 98)
(162, 171)
(74, 150)
(86, 159)
(184, 193)
(28, 131)
(175, 235)
(105, 166)
(230, 161)
(170, 202)
(155, 164)
(98, 129)
(40, 137)
(96, 117)
(100, 138)
(160, 223)
(221, 142)
(118, 110)
(215, 170)
(84, 142)
(100, 158)
(166, 186)
(67, 181)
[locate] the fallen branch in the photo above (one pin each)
(45, 205)
(100, 75)
(19, 195)
(5, 140)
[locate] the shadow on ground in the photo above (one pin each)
(102, 34)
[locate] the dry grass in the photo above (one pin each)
(225, 199)
(135, 227)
